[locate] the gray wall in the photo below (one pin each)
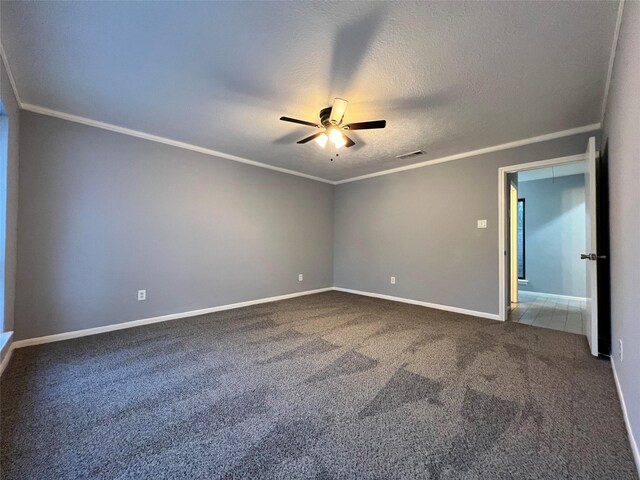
(622, 130)
(554, 235)
(13, 112)
(103, 215)
(420, 226)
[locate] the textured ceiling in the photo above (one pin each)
(448, 77)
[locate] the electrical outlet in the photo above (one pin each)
(142, 295)
(393, 280)
(300, 277)
(620, 350)
(482, 224)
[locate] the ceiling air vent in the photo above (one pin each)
(410, 154)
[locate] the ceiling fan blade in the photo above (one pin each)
(350, 143)
(301, 122)
(311, 137)
(337, 111)
(366, 125)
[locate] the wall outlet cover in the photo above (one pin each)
(142, 295)
(393, 280)
(300, 277)
(620, 349)
(482, 224)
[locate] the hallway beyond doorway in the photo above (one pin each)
(557, 313)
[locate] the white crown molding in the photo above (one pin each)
(167, 141)
(481, 151)
(612, 58)
(12, 81)
(187, 146)
(135, 133)
(215, 153)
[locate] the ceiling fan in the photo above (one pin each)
(332, 128)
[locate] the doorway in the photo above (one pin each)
(547, 235)
(538, 302)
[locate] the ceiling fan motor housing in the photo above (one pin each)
(325, 113)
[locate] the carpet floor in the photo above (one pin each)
(326, 386)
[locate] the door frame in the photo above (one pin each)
(503, 195)
(513, 242)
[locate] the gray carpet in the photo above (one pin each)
(326, 386)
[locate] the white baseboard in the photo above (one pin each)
(6, 349)
(5, 360)
(554, 295)
(464, 311)
(632, 440)
(163, 318)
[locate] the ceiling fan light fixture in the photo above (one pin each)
(331, 128)
(336, 137)
(340, 142)
(322, 140)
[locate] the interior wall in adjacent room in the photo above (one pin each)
(554, 235)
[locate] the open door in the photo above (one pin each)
(591, 255)
(513, 241)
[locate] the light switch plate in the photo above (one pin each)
(482, 224)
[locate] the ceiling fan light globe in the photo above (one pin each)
(335, 135)
(322, 140)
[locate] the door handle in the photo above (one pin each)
(592, 256)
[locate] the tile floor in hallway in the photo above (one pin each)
(549, 312)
